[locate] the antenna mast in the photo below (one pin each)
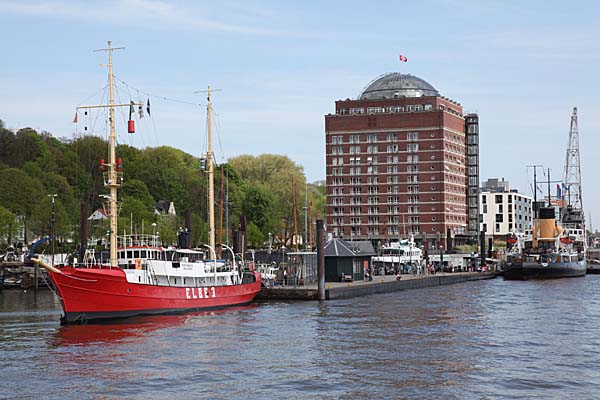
(572, 177)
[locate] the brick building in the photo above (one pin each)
(402, 159)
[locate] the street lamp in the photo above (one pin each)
(441, 258)
(154, 234)
(269, 243)
(52, 226)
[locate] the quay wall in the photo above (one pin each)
(349, 290)
(395, 286)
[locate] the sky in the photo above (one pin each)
(280, 66)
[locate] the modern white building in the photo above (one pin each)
(503, 209)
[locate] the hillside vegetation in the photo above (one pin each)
(34, 165)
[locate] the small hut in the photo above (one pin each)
(347, 261)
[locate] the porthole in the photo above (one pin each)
(433, 218)
(433, 178)
(433, 157)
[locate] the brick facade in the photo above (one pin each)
(395, 167)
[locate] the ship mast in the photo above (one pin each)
(112, 182)
(211, 176)
(114, 176)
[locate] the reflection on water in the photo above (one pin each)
(477, 340)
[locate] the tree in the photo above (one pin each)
(257, 206)
(20, 193)
(8, 226)
(254, 236)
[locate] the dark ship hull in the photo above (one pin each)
(552, 270)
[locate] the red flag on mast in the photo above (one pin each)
(75, 119)
(403, 58)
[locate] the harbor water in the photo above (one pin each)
(489, 339)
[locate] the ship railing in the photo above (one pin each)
(142, 239)
(108, 181)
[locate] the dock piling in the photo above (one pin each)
(320, 260)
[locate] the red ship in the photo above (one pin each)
(142, 278)
(102, 292)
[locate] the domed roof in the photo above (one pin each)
(394, 85)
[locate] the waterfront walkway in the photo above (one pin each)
(379, 284)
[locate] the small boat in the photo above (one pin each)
(398, 254)
(140, 277)
(550, 252)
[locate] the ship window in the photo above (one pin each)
(143, 252)
(130, 254)
(136, 254)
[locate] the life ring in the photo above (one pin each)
(138, 263)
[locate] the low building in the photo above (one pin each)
(164, 207)
(503, 209)
(346, 261)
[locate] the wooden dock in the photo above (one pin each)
(380, 284)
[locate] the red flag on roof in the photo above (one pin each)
(403, 58)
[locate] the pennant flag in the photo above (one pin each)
(558, 192)
(141, 110)
(403, 58)
(75, 119)
(131, 109)
(148, 107)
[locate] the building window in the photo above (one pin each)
(412, 147)
(412, 136)
(499, 218)
(498, 198)
(392, 137)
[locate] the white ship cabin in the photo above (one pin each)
(145, 263)
(404, 252)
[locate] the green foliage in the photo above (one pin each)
(8, 225)
(20, 193)
(34, 165)
(254, 235)
(257, 206)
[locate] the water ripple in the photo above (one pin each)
(477, 340)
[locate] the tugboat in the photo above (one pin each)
(141, 277)
(550, 252)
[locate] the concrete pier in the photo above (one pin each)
(380, 284)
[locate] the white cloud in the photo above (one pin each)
(147, 13)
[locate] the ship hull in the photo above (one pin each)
(95, 294)
(526, 270)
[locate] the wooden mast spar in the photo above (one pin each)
(112, 177)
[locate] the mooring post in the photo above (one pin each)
(320, 260)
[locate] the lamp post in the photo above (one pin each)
(270, 237)
(52, 227)
(441, 258)
(423, 270)
(154, 234)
